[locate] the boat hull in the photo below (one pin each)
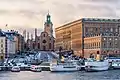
(63, 69)
(116, 65)
(96, 66)
(96, 69)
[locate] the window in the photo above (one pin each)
(116, 30)
(1, 50)
(1, 40)
(38, 45)
(49, 45)
(33, 46)
(2, 45)
(44, 35)
(111, 29)
(104, 38)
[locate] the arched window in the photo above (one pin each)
(38, 45)
(49, 45)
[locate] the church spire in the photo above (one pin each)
(48, 26)
(48, 18)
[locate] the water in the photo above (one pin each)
(46, 75)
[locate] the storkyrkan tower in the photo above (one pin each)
(44, 42)
(48, 26)
(46, 37)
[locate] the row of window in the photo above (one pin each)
(110, 45)
(102, 34)
(101, 29)
(92, 45)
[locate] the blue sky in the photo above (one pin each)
(29, 14)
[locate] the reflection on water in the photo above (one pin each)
(46, 75)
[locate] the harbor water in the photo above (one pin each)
(47, 75)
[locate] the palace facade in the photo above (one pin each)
(88, 36)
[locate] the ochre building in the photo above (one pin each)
(89, 36)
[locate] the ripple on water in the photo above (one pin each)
(46, 75)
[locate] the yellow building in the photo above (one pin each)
(69, 37)
(88, 36)
(2, 47)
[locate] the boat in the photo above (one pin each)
(64, 66)
(95, 65)
(15, 69)
(36, 68)
(0, 68)
(115, 62)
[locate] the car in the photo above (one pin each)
(15, 69)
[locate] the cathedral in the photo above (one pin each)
(44, 42)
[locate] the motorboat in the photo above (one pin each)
(0, 69)
(65, 66)
(36, 68)
(115, 62)
(15, 69)
(95, 65)
(115, 65)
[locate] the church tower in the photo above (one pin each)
(48, 26)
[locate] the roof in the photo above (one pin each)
(11, 33)
(101, 19)
(2, 33)
(89, 20)
(10, 37)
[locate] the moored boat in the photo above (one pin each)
(115, 62)
(15, 69)
(94, 65)
(35, 68)
(65, 66)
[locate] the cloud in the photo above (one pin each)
(32, 13)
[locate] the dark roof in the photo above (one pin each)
(2, 33)
(11, 33)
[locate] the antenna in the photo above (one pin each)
(48, 12)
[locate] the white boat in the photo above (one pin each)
(94, 65)
(115, 65)
(0, 69)
(115, 62)
(15, 69)
(36, 68)
(64, 66)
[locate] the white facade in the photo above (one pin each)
(10, 47)
(2, 47)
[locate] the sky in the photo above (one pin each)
(30, 14)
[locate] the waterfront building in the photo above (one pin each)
(44, 42)
(18, 38)
(2, 45)
(10, 46)
(89, 36)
